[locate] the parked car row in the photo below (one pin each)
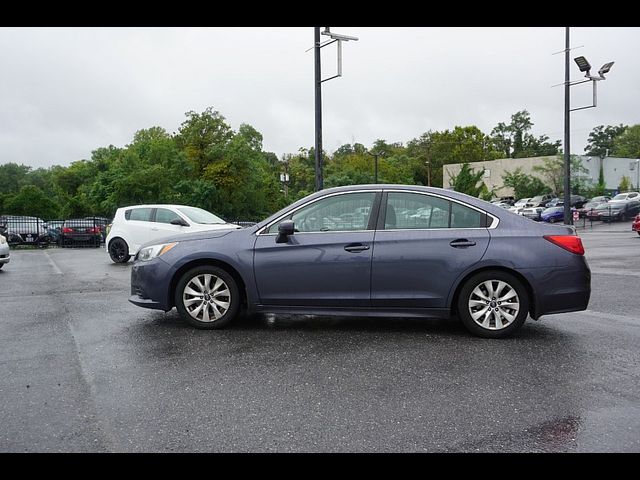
(623, 206)
(27, 230)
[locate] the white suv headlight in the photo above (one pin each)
(154, 251)
(2, 240)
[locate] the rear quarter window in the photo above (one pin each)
(139, 214)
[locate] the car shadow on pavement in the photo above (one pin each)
(452, 327)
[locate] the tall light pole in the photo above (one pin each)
(584, 66)
(318, 106)
(568, 219)
(638, 174)
(334, 37)
(375, 156)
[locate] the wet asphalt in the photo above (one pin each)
(83, 370)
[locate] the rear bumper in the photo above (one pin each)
(559, 290)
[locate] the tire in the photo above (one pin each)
(119, 251)
(475, 292)
(217, 291)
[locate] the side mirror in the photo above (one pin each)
(179, 221)
(285, 229)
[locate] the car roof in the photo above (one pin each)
(157, 205)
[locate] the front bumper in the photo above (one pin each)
(150, 284)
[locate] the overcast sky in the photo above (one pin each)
(66, 91)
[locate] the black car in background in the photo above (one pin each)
(540, 200)
(53, 229)
(80, 232)
(618, 210)
(101, 223)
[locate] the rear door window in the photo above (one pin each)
(140, 214)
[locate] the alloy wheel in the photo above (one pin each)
(494, 304)
(206, 297)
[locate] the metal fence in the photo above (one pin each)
(35, 232)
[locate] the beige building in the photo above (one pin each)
(495, 169)
(613, 169)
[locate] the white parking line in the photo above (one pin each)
(634, 321)
(53, 264)
(613, 271)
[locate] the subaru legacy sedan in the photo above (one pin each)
(372, 250)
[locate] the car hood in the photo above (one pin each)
(188, 237)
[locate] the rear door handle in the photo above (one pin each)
(462, 242)
(356, 247)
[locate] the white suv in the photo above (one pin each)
(137, 225)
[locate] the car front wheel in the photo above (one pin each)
(119, 251)
(493, 304)
(207, 297)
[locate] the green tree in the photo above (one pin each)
(466, 181)
(628, 143)
(13, 177)
(552, 170)
(515, 141)
(31, 201)
(625, 184)
(524, 186)
(203, 137)
(601, 140)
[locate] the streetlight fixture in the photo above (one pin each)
(584, 66)
(334, 37)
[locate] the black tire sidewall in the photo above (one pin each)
(472, 283)
(229, 315)
(126, 257)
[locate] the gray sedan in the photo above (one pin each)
(372, 250)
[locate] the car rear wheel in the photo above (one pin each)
(493, 304)
(119, 251)
(207, 297)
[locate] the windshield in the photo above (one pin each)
(620, 196)
(198, 215)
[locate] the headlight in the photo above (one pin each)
(154, 251)
(2, 240)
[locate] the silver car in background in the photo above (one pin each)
(5, 256)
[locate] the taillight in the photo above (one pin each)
(93, 230)
(67, 230)
(571, 243)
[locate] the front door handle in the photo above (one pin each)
(356, 247)
(462, 242)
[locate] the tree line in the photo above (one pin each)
(209, 165)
